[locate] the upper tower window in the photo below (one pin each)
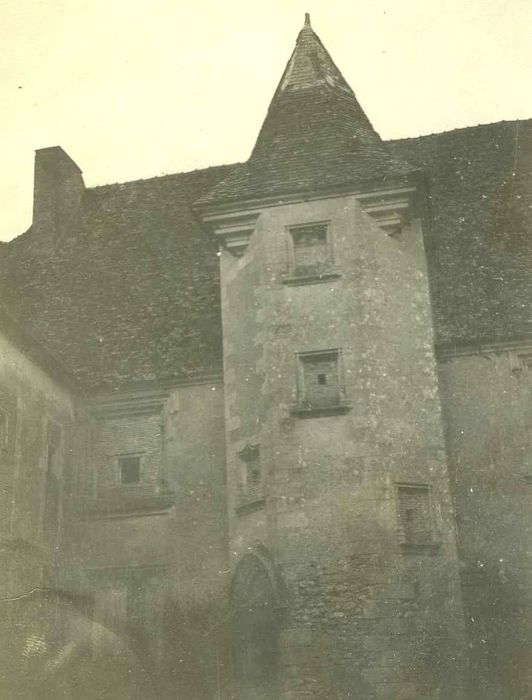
(311, 249)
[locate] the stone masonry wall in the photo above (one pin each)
(155, 557)
(362, 613)
(31, 403)
(488, 413)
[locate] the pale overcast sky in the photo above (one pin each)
(137, 88)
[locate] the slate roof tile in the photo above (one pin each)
(479, 249)
(131, 294)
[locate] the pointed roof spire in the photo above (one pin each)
(316, 135)
(310, 64)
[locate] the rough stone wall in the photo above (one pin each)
(362, 613)
(155, 558)
(31, 402)
(488, 413)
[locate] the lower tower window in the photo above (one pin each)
(320, 385)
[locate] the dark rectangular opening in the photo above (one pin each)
(129, 469)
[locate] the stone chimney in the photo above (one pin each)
(58, 189)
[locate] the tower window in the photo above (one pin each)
(129, 469)
(414, 514)
(251, 493)
(311, 248)
(320, 386)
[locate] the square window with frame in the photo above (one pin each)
(311, 249)
(129, 469)
(320, 382)
(415, 514)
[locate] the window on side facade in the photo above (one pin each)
(129, 469)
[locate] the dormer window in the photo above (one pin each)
(311, 258)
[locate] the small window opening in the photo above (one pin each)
(319, 379)
(253, 473)
(311, 250)
(129, 468)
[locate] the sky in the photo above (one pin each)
(139, 88)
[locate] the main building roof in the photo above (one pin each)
(130, 292)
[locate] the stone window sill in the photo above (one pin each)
(304, 411)
(300, 277)
(128, 501)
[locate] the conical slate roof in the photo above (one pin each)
(315, 136)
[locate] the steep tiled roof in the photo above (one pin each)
(480, 247)
(14, 326)
(315, 136)
(132, 293)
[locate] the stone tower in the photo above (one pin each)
(342, 534)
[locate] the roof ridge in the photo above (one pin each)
(459, 128)
(162, 177)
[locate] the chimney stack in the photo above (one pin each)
(58, 189)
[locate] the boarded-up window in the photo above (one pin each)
(251, 487)
(319, 379)
(414, 513)
(311, 249)
(129, 469)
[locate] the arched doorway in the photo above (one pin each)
(255, 630)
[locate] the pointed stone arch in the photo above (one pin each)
(256, 604)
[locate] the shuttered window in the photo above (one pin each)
(320, 385)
